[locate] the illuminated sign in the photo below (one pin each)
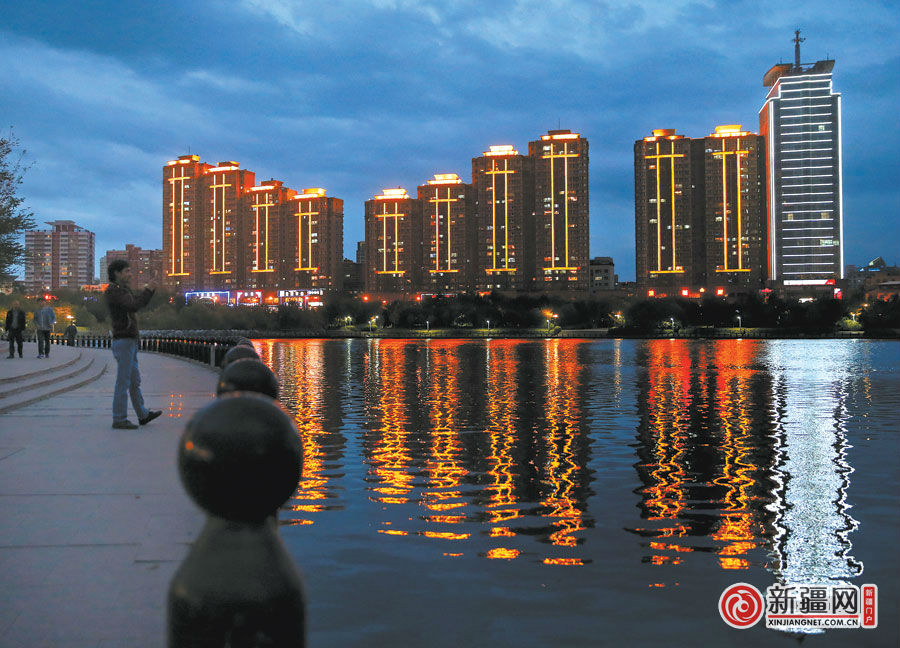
(218, 296)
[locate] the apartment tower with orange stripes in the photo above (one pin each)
(313, 241)
(394, 258)
(735, 224)
(668, 213)
(448, 221)
(561, 211)
(503, 181)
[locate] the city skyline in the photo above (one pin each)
(98, 108)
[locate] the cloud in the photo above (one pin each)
(225, 83)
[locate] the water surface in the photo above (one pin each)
(574, 492)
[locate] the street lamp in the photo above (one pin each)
(672, 323)
(427, 325)
(489, 325)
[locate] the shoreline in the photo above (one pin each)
(532, 334)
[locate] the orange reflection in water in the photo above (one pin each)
(563, 415)
(390, 457)
(305, 364)
(444, 464)
(668, 400)
(501, 405)
(734, 359)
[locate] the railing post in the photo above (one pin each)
(239, 459)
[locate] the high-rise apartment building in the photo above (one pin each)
(561, 210)
(699, 213)
(221, 231)
(735, 224)
(801, 122)
(313, 241)
(146, 265)
(668, 212)
(184, 226)
(223, 188)
(265, 208)
(393, 222)
(62, 257)
(504, 188)
(448, 221)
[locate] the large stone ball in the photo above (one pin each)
(248, 374)
(238, 352)
(240, 457)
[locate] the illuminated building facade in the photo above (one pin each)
(394, 259)
(735, 225)
(561, 210)
(184, 227)
(146, 265)
(448, 221)
(503, 181)
(313, 240)
(62, 257)
(265, 208)
(801, 122)
(668, 212)
(222, 232)
(224, 187)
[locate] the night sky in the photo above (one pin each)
(359, 96)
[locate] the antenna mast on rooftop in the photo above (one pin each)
(797, 40)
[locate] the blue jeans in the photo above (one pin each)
(128, 380)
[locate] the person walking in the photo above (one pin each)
(71, 333)
(122, 305)
(44, 321)
(15, 325)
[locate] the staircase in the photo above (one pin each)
(27, 380)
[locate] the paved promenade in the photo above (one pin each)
(93, 521)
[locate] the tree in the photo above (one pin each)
(13, 218)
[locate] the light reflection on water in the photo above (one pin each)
(737, 452)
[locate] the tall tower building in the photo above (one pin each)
(668, 212)
(146, 265)
(735, 212)
(561, 210)
(184, 224)
(265, 208)
(393, 242)
(801, 122)
(504, 190)
(448, 222)
(223, 186)
(62, 257)
(313, 241)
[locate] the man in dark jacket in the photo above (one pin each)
(15, 324)
(122, 305)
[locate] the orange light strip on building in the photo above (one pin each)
(256, 206)
(309, 213)
(437, 200)
(501, 151)
(395, 215)
(725, 132)
(179, 270)
(565, 155)
(494, 172)
(220, 184)
(659, 157)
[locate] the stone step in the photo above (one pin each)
(51, 376)
(33, 386)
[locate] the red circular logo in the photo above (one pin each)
(741, 605)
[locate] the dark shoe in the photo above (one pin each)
(152, 414)
(124, 425)
(12, 356)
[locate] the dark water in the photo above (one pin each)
(569, 492)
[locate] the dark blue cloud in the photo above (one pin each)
(356, 96)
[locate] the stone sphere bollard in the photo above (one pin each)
(242, 341)
(247, 374)
(240, 459)
(238, 352)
